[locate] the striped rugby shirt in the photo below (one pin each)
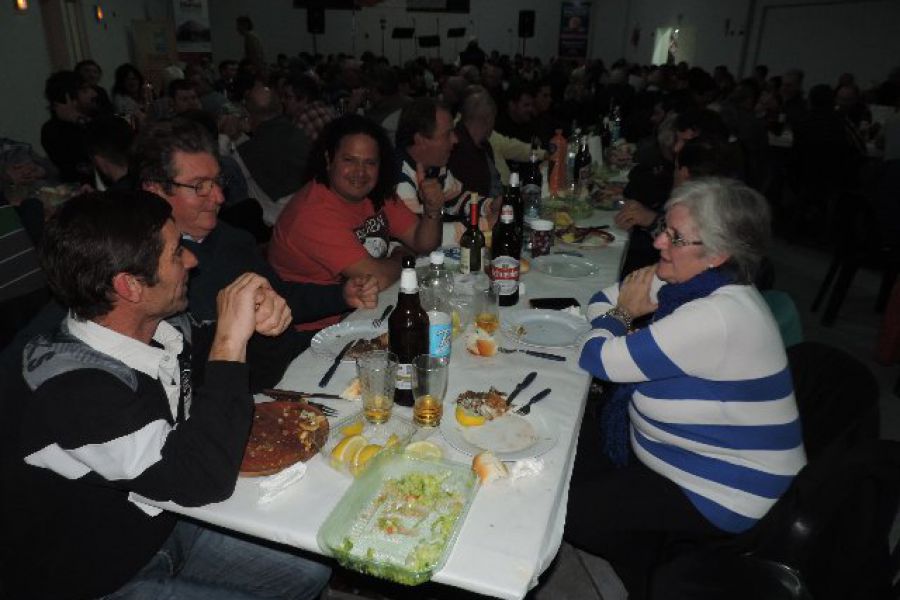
(455, 208)
(714, 408)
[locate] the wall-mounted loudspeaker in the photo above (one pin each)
(526, 23)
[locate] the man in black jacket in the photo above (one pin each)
(119, 401)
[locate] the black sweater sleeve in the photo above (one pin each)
(127, 439)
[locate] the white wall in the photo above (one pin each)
(27, 65)
(111, 42)
(283, 28)
(23, 72)
(861, 38)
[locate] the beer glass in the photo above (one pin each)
(486, 309)
(377, 373)
(429, 388)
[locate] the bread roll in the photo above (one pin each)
(353, 391)
(488, 467)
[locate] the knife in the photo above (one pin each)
(337, 361)
(525, 383)
(546, 355)
(292, 395)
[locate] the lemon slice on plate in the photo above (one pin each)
(352, 429)
(424, 449)
(362, 457)
(392, 440)
(347, 449)
(467, 419)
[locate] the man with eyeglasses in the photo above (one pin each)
(177, 161)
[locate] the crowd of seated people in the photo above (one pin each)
(320, 173)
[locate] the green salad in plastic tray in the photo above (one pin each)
(577, 208)
(400, 519)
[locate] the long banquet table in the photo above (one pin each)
(514, 528)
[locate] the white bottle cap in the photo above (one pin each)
(437, 257)
(513, 179)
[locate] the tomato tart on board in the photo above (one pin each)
(283, 433)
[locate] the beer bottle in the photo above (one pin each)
(407, 331)
(471, 245)
(506, 248)
(531, 185)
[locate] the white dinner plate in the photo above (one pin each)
(330, 340)
(565, 266)
(544, 328)
(510, 437)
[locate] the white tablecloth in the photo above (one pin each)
(513, 529)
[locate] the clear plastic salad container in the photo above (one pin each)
(400, 519)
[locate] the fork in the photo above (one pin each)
(376, 323)
(524, 410)
(326, 410)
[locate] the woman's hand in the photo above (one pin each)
(634, 292)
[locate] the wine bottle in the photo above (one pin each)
(531, 185)
(471, 245)
(407, 332)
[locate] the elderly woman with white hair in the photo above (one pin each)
(702, 435)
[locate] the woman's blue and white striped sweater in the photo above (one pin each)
(713, 408)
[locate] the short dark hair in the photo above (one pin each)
(62, 85)
(95, 236)
(305, 87)
(327, 143)
(707, 156)
(88, 62)
(419, 116)
(180, 85)
(703, 120)
(157, 144)
(109, 136)
(517, 89)
(821, 96)
(244, 21)
(122, 72)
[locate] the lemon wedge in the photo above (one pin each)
(467, 419)
(353, 429)
(392, 441)
(364, 456)
(424, 449)
(347, 449)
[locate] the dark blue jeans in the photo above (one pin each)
(197, 563)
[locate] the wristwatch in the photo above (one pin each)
(620, 315)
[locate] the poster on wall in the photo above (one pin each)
(154, 48)
(574, 26)
(192, 32)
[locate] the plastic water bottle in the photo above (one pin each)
(437, 286)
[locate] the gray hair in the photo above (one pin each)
(731, 218)
(477, 105)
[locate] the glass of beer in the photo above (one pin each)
(487, 309)
(377, 373)
(429, 388)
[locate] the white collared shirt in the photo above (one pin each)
(159, 363)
